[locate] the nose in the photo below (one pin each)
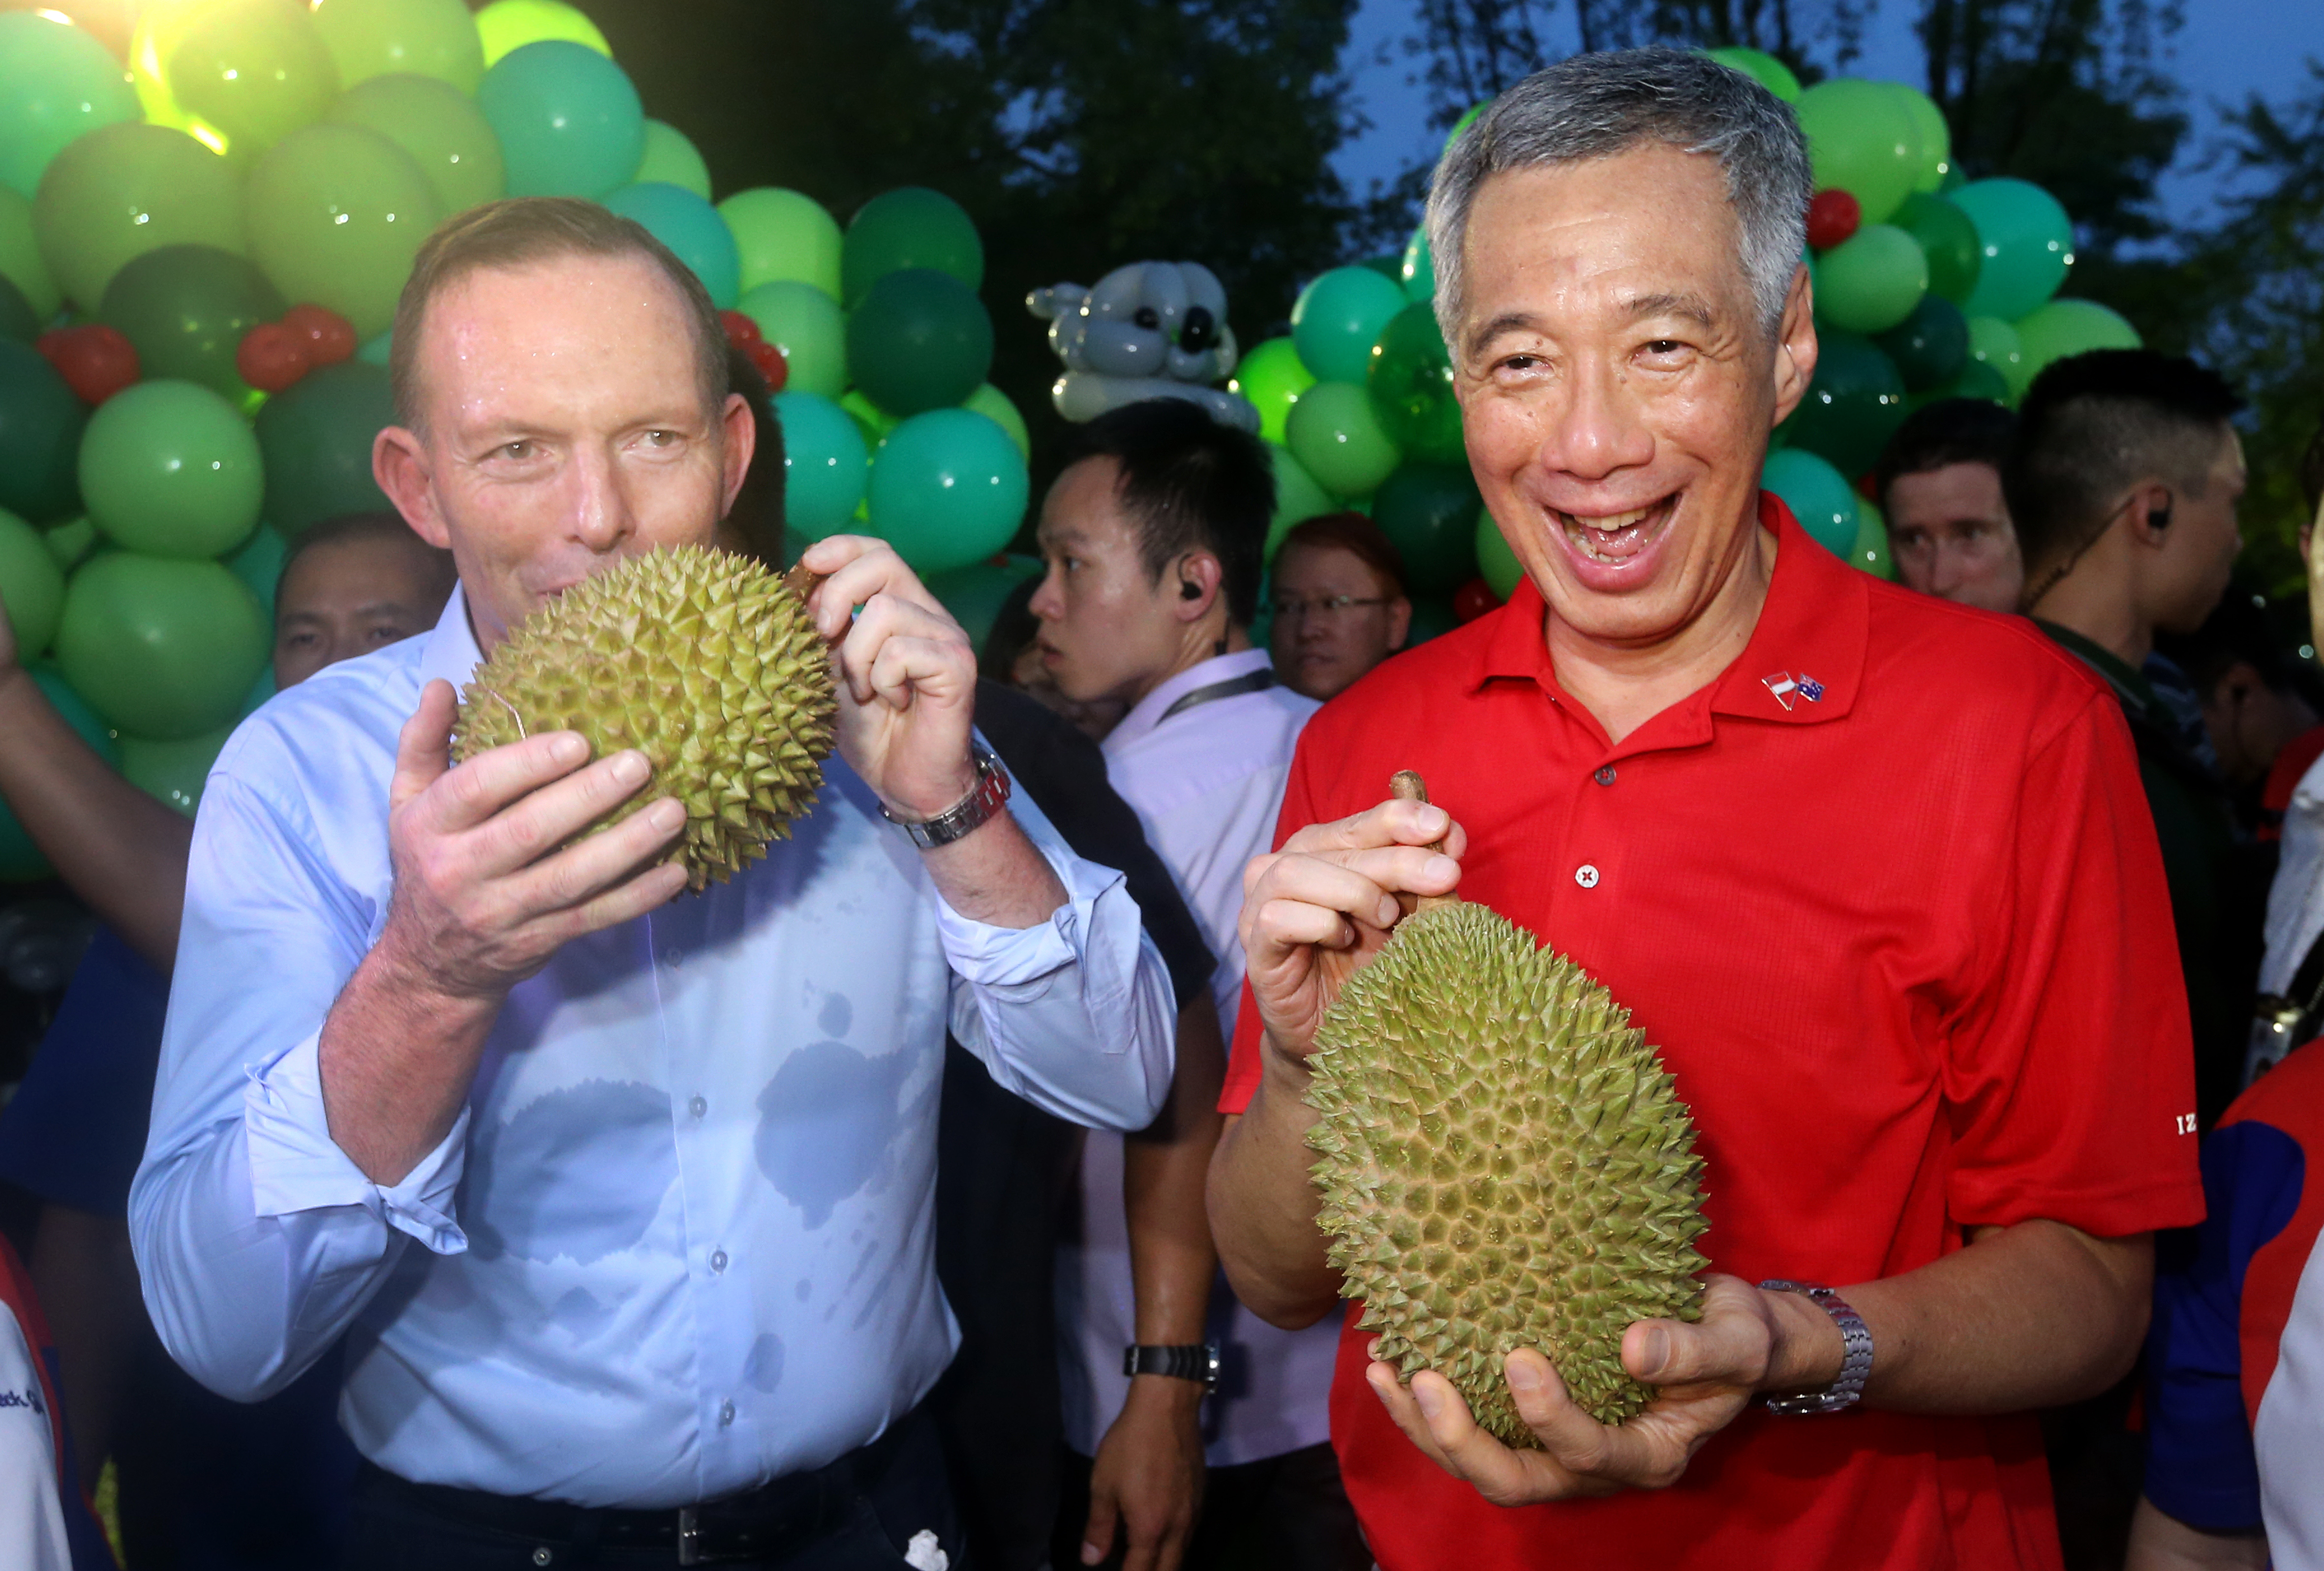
(1047, 603)
(1599, 429)
(603, 514)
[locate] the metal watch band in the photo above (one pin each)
(966, 816)
(1855, 1364)
(1198, 1362)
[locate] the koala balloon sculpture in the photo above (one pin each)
(1149, 330)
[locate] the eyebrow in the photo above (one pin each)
(1694, 307)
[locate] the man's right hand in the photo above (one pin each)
(1316, 911)
(483, 894)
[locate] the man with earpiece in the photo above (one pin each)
(1154, 534)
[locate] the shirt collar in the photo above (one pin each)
(1151, 708)
(2130, 685)
(1803, 665)
(451, 651)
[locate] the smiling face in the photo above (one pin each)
(564, 430)
(1618, 386)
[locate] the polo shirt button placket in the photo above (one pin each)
(1586, 874)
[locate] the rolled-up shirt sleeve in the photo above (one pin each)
(257, 1240)
(1076, 1014)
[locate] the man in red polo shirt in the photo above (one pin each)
(1873, 871)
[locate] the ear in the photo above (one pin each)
(399, 462)
(1400, 622)
(1201, 569)
(742, 440)
(1795, 346)
(2146, 513)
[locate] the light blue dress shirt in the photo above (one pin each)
(679, 1241)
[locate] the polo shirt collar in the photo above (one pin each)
(1150, 709)
(2130, 685)
(451, 651)
(1803, 665)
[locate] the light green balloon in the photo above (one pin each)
(1871, 550)
(993, 404)
(1337, 438)
(1936, 137)
(784, 235)
(20, 254)
(439, 126)
(169, 469)
(378, 38)
(336, 213)
(808, 327)
(31, 585)
(1271, 377)
(671, 158)
(252, 71)
(1763, 68)
(124, 190)
(1297, 496)
(2063, 329)
(173, 771)
(1497, 565)
(1861, 140)
(1870, 281)
(57, 84)
(70, 542)
(510, 24)
(162, 649)
(1995, 342)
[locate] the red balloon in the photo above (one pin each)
(329, 337)
(94, 360)
(1833, 216)
(272, 356)
(1473, 599)
(741, 330)
(772, 365)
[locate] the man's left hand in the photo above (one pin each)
(907, 675)
(1705, 1373)
(1147, 1477)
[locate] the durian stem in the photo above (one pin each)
(1406, 786)
(802, 583)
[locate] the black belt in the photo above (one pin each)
(767, 1523)
(1257, 681)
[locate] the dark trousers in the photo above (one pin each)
(1280, 1514)
(863, 1522)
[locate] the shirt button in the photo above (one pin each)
(718, 1260)
(1586, 875)
(698, 1106)
(673, 958)
(725, 1414)
(1604, 777)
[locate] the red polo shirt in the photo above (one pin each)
(1886, 897)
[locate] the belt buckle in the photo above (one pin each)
(689, 1536)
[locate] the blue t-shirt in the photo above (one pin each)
(76, 1127)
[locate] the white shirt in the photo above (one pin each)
(1207, 785)
(2288, 1431)
(678, 1241)
(2295, 899)
(31, 1517)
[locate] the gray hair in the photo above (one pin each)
(1595, 106)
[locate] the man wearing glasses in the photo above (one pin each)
(1153, 536)
(1339, 605)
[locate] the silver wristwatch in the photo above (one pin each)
(1855, 1359)
(966, 816)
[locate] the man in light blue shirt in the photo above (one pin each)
(622, 1200)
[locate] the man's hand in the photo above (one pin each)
(1706, 1373)
(1316, 911)
(1148, 1477)
(907, 675)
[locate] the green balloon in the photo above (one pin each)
(569, 121)
(1976, 381)
(1297, 496)
(169, 469)
(975, 593)
(1936, 136)
(258, 562)
(784, 237)
(993, 404)
(825, 464)
(1819, 496)
(1429, 511)
(17, 322)
(1862, 140)
(1853, 406)
(870, 419)
(1870, 552)
(162, 648)
(1338, 318)
(68, 542)
(173, 771)
(1931, 345)
(948, 488)
(806, 325)
(1763, 68)
(378, 38)
(1994, 343)
(19, 253)
(1468, 117)
(256, 70)
(1337, 438)
(505, 27)
(2063, 329)
(31, 585)
(1388, 265)
(57, 84)
(317, 439)
(1272, 376)
(337, 213)
(41, 424)
(910, 226)
(1417, 270)
(441, 128)
(672, 160)
(1410, 385)
(1870, 281)
(1948, 239)
(2028, 244)
(20, 860)
(1497, 565)
(185, 309)
(124, 190)
(919, 340)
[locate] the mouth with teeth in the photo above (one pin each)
(1616, 546)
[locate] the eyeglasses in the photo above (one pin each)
(1330, 605)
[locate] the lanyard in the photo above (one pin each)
(1257, 681)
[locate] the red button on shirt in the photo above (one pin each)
(1886, 897)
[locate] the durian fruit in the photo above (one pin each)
(707, 663)
(1503, 1164)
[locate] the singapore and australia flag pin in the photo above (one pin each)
(1788, 688)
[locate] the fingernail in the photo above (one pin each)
(568, 748)
(1431, 1400)
(1387, 915)
(1654, 1349)
(666, 814)
(1442, 868)
(1524, 1375)
(1436, 820)
(631, 767)
(1092, 1554)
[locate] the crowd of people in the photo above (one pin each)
(422, 1183)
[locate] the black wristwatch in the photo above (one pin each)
(1198, 1362)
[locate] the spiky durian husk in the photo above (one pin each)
(1503, 1165)
(707, 663)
